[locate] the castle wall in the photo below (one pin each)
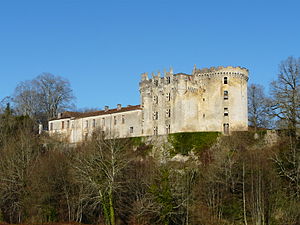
(213, 99)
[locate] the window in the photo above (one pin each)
(155, 130)
(63, 125)
(168, 128)
(115, 120)
(226, 128)
(203, 115)
(123, 119)
(168, 113)
(225, 95)
(51, 126)
(168, 80)
(225, 80)
(131, 130)
(168, 97)
(156, 115)
(225, 111)
(204, 99)
(94, 123)
(155, 99)
(86, 124)
(68, 124)
(103, 121)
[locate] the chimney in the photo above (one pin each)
(106, 108)
(119, 106)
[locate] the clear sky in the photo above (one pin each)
(102, 46)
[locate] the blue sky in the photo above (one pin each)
(102, 47)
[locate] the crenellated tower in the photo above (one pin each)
(210, 99)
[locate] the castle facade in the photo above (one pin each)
(213, 99)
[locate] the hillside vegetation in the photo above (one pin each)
(235, 179)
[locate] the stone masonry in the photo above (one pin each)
(213, 99)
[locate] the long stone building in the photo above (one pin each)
(213, 99)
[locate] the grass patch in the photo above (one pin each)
(183, 143)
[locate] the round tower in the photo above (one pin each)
(226, 97)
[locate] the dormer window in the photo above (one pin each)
(225, 80)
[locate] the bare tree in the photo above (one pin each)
(286, 93)
(45, 95)
(26, 99)
(100, 170)
(257, 106)
(17, 158)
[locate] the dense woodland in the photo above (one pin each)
(244, 178)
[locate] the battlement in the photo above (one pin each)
(221, 70)
(204, 72)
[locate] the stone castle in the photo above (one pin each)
(213, 99)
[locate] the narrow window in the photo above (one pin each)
(94, 123)
(156, 115)
(63, 125)
(103, 121)
(225, 111)
(225, 80)
(155, 130)
(123, 119)
(203, 115)
(168, 80)
(155, 99)
(168, 113)
(131, 130)
(115, 120)
(68, 124)
(225, 95)
(168, 96)
(168, 129)
(86, 124)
